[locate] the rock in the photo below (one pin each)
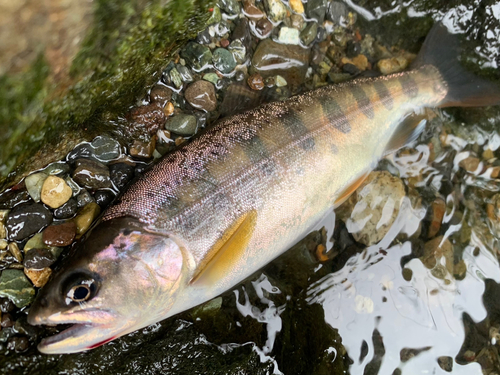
(16, 253)
(392, 65)
(38, 258)
(297, 21)
(3, 244)
(25, 220)
(91, 174)
(7, 320)
(297, 6)
(436, 249)
(251, 11)
(84, 198)
(82, 151)
(59, 235)
(143, 150)
(376, 206)
(85, 217)
(197, 56)
(256, 82)
(106, 148)
(150, 117)
(438, 208)
(263, 28)
(288, 35)
(182, 124)
(6, 305)
(55, 192)
(168, 110)
(308, 35)
(57, 169)
(242, 33)
(34, 242)
(121, 174)
(201, 95)
(231, 6)
(351, 69)
(104, 197)
(271, 58)
(280, 81)
(16, 287)
(360, 62)
(160, 95)
(276, 10)
(493, 213)
(211, 77)
(38, 277)
(215, 17)
(67, 210)
(238, 50)
(185, 73)
(34, 183)
(338, 13)
(223, 61)
(316, 9)
(175, 77)
(18, 344)
(470, 164)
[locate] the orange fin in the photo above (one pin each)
(346, 193)
(228, 250)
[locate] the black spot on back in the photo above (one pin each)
(384, 94)
(363, 101)
(334, 114)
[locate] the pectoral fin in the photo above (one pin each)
(226, 253)
(346, 193)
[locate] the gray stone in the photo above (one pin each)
(197, 56)
(223, 60)
(231, 6)
(309, 33)
(238, 50)
(25, 220)
(106, 148)
(289, 35)
(57, 168)
(15, 286)
(316, 9)
(185, 73)
(338, 13)
(182, 124)
(176, 78)
(34, 183)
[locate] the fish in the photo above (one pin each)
(213, 212)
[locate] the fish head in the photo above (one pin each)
(120, 279)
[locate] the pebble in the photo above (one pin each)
(67, 210)
(276, 10)
(211, 77)
(308, 35)
(231, 6)
(18, 344)
(316, 9)
(185, 73)
(289, 35)
(176, 78)
(169, 109)
(16, 253)
(197, 56)
(121, 174)
(280, 81)
(106, 148)
(251, 11)
(160, 95)
(58, 168)
(38, 277)
(338, 13)
(223, 60)
(297, 6)
(38, 258)
(55, 192)
(59, 235)
(6, 305)
(82, 151)
(256, 82)
(150, 117)
(351, 69)
(438, 209)
(215, 17)
(34, 242)
(7, 321)
(91, 174)
(436, 249)
(27, 219)
(142, 150)
(375, 207)
(85, 217)
(84, 198)
(470, 164)
(263, 28)
(3, 244)
(201, 95)
(182, 124)
(104, 197)
(360, 62)
(297, 21)
(34, 183)
(392, 65)
(15, 286)
(238, 50)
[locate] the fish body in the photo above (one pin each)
(212, 213)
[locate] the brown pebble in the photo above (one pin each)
(38, 277)
(201, 95)
(470, 164)
(60, 235)
(251, 11)
(14, 250)
(360, 62)
(143, 150)
(224, 43)
(320, 253)
(256, 82)
(392, 65)
(18, 344)
(179, 141)
(438, 208)
(263, 27)
(495, 172)
(7, 320)
(169, 109)
(160, 95)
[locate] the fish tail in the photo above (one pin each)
(464, 89)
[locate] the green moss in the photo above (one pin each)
(128, 45)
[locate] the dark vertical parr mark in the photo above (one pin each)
(257, 152)
(294, 125)
(334, 114)
(384, 94)
(409, 85)
(363, 101)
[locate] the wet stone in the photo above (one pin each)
(436, 249)
(297, 21)
(211, 77)
(84, 198)
(437, 211)
(223, 60)
(34, 183)
(85, 217)
(251, 11)
(150, 117)
(103, 197)
(83, 150)
(106, 148)
(121, 174)
(316, 9)
(215, 17)
(55, 192)
(38, 258)
(59, 235)
(142, 150)
(169, 109)
(160, 95)
(67, 210)
(238, 50)
(276, 10)
(197, 56)
(470, 164)
(12, 197)
(242, 33)
(6, 305)
(16, 253)
(91, 174)
(231, 6)
(493, 213)
(256, 82)
(297, 6)
(182, 124)
(185, 73)
(176, 78)
(7, 321)
(392, 65)
(201, 95)
(288, 35)
(308, 35)
(338, 13)
(18, 344)
(25, 220)
(360, 62)
(350, 69)
(38, 277)
(280, 81)
(15, 286)
(263, 28)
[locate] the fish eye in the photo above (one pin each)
(79, 288)
(79, 293)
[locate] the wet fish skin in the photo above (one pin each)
(229, 202)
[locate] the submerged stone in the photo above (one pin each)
(182, 124)
(25, 220)
(34, 183)
(238, 50)
(55, 192)
(316, 9)
(309, 33)
(38, 277)
(84, 198)
(276, 10)
(197, 56)
(91, 174)
(103, 197)
(223, 60)
(67, 210)
(121, 174)
(15, 286)
(201, 95)
(106, 148)
(38, 258)
(85, 217)
(289, 35)
(59, 235)
(231, 6)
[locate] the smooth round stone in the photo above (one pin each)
(143, 150)
(185, 73)
(297, 6)
(176, 78)
(309, 33)
(25, 220)
(84, 198)
(7, 321)
(211, 77)
(59, 235)
(121, 174)
(103, 197)
(201, 95)
(83, 150)
(263, 28)
(316, 9)
(91, 174)
(34, 183)
(197, 56)
(85, 217)
(106, 148)
(289, 35)
(15, 286)
(182, 124)
(160, 95)
(67, 210)
(238, 50)
(251, 11)
(55, 192)
(223, 60)
(231, 6)
(57, 168)
(276, 10)
(38, 258)
(256, 82)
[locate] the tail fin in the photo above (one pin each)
(441, 49)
